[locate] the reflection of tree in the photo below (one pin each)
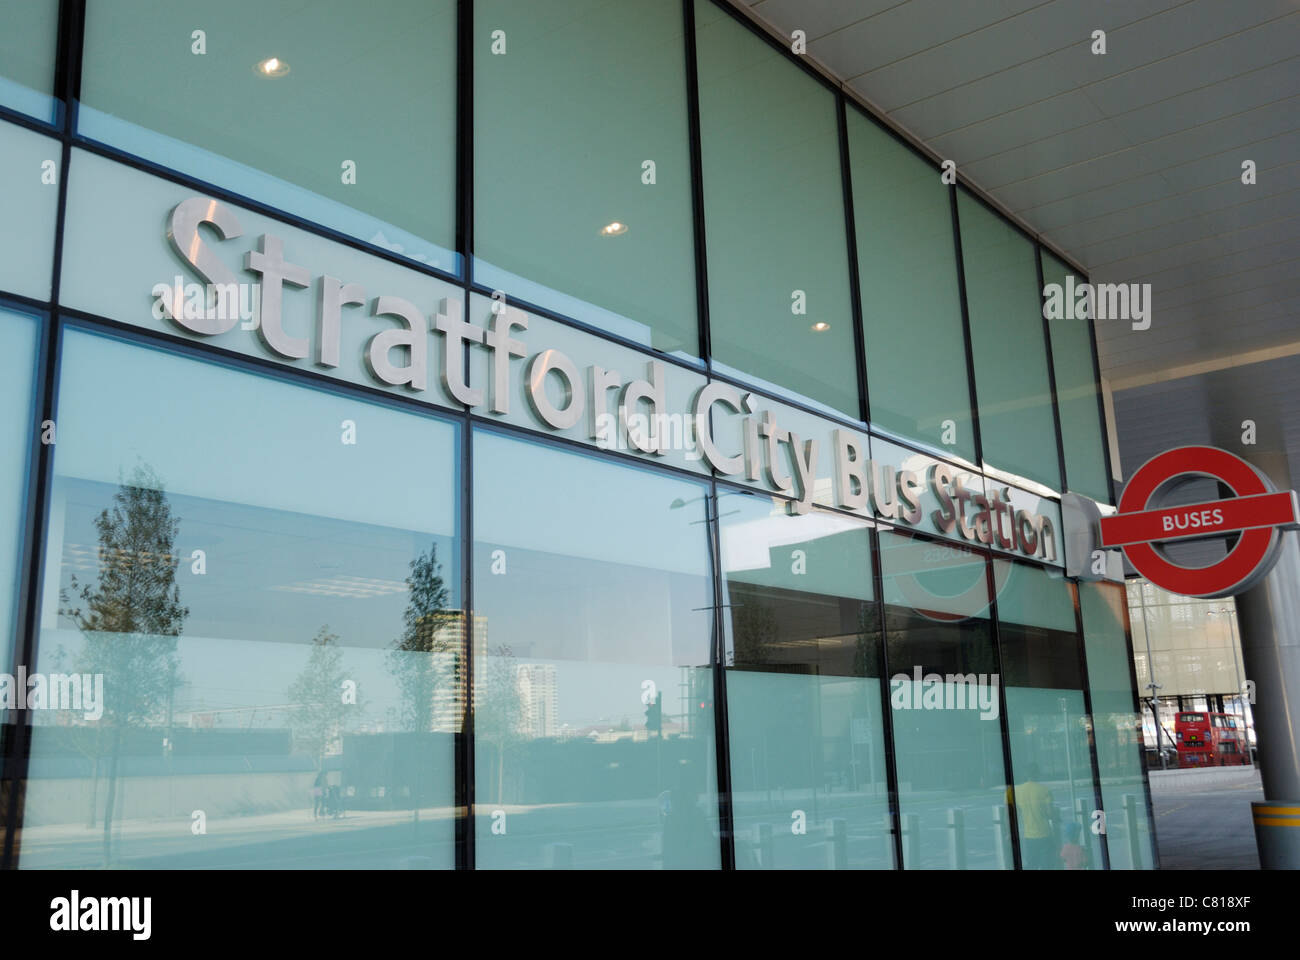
(427, 624)
(317, 694)
(866, 647)
(418, 659)
(754, 631)
(132, 615)
(498, 714)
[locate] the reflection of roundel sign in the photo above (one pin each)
(910, 562)
(1257, 512)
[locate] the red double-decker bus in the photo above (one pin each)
(1210, 740)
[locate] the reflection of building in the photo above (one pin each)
(449, 698)
(537, 699)
(1190, 649)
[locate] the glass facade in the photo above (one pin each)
(593, 717)
(1078, 397)
(503, 459)
(262, 632)
(1009, 349)
(779, 302)
(1055, 790)
(803, 689)
(1125, 798)
(28, 49)
(911, 299)
(19, 337)
(945, 701)
(294, 113)
(590, 219)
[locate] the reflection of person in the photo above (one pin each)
(1035, 812)
(318, 796)
(687, 834)
(1074, 856)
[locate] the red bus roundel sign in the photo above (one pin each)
(1256, 511)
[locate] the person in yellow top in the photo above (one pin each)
(1036, 815)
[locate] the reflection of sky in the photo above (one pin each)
(213, 433)
(540, 498)
(606, 694)
(223, 673)
(603, 575)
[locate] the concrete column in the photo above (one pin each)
(1269, 617)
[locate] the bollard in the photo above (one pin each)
(763, 840)
(1000, 834)
(559, 856)
(911, 840)
(1131, 822)
(957, 839)
(837, 850)
(1092, 841)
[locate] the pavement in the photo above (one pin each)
(1203, 820)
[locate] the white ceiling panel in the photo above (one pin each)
(1273, 202)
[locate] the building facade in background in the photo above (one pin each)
(1191, 651)
(734, 430)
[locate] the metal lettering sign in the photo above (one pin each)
(735, 433)
(1257, 512)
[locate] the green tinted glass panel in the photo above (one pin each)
(911, 301)
(18, 345)
(1017, 429)
(779, 306)
(1054, 791)
(808, 768)
(357, 132)
(1117, 727)
(275, 622)
(593, 710)
(582, 182)
(945, 708)
(29, 196)
(29, 43)
(1076, 391)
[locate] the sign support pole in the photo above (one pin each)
(1268, 621)
(1269, 618)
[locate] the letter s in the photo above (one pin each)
(183, 235)
(945, 518)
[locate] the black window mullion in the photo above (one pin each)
(886, 707)
(965, 328)
(1051, 368)
(851, 242)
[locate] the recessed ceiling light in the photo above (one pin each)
(613, 229)
(272, 67)
(821, 326)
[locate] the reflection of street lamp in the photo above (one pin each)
(1155, 715)
(1069, 763)
(1151, 670)
(678, 503)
